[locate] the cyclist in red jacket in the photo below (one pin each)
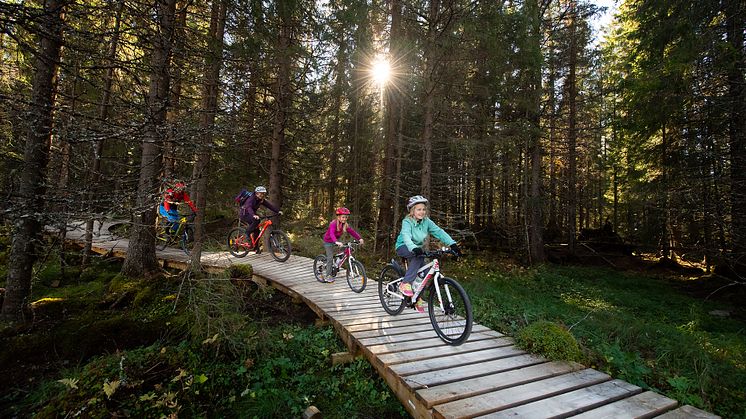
(171, 198)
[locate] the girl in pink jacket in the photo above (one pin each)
(337, 228)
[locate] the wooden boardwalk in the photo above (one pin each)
(487, 376)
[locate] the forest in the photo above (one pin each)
(528, 130)
(521, 125)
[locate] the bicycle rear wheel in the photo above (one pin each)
(238, 242)
(161, 237)
(453, 321)
(187, 240)
(388, 290)
(356, 278)
(319, 268)
(279, 245)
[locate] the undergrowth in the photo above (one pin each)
(640, 329)
(103, 345)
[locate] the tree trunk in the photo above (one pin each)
(336, 126)
(210, 91)
(385, 224)
(283, 100)
(27, 225)
(533, 115)
(173, 115)
(98, 144)
(141, 260)
(553, 221)
(735, 11)
(572, 99)
(666, 232)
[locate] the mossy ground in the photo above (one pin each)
(105, 345)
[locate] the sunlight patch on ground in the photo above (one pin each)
(585, 302)
(46, 300)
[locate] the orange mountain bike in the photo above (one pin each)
(279, 244)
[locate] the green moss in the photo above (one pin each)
(143, 297)
(550, 340)
(240, 270)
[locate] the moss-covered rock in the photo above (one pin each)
(551, 340)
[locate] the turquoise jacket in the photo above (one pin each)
(413, 233)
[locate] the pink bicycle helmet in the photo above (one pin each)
(342, 211)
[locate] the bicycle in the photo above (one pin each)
(184, 235)
(279, 243)
(356, 278)
(448, 305)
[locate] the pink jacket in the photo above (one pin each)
(335, 232)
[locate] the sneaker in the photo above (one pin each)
(420, 306)
(406, 289)
(328, 279)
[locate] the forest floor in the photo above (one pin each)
(101, 345)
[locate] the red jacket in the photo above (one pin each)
(172, 198)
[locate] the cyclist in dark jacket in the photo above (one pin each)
(248, 210)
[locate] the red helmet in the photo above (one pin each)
(343, 211)
(179, 187)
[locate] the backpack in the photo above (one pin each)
(243, 196)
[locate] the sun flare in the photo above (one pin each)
(380, 71)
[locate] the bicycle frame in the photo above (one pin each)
(263, 226)
(433, 275)
(347, 250)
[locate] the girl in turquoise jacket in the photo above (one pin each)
(415, 228)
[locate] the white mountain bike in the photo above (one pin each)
(448, 305)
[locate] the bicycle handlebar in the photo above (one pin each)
(440, 252)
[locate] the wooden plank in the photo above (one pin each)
(402, 343)
(568, 404)
(643, 405)
(475, 386)
(385, 325)
(404, 329)
(471, 345)
(454, 360)
(515, 396)
(688, 412)
(514, 358)
(423, 332)
(404, 316)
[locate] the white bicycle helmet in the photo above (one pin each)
(414, 200)
(260, 189)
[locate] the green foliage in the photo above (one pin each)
(634, 327)
(628, 366)
(240, 270)
(550, 340)
(214, 313)
(227, 364)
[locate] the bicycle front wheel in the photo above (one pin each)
(453, 319)
(238, 242)
(279, 245)
(319, 268)
(187, 240)
(356, 278)
(388, 290)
